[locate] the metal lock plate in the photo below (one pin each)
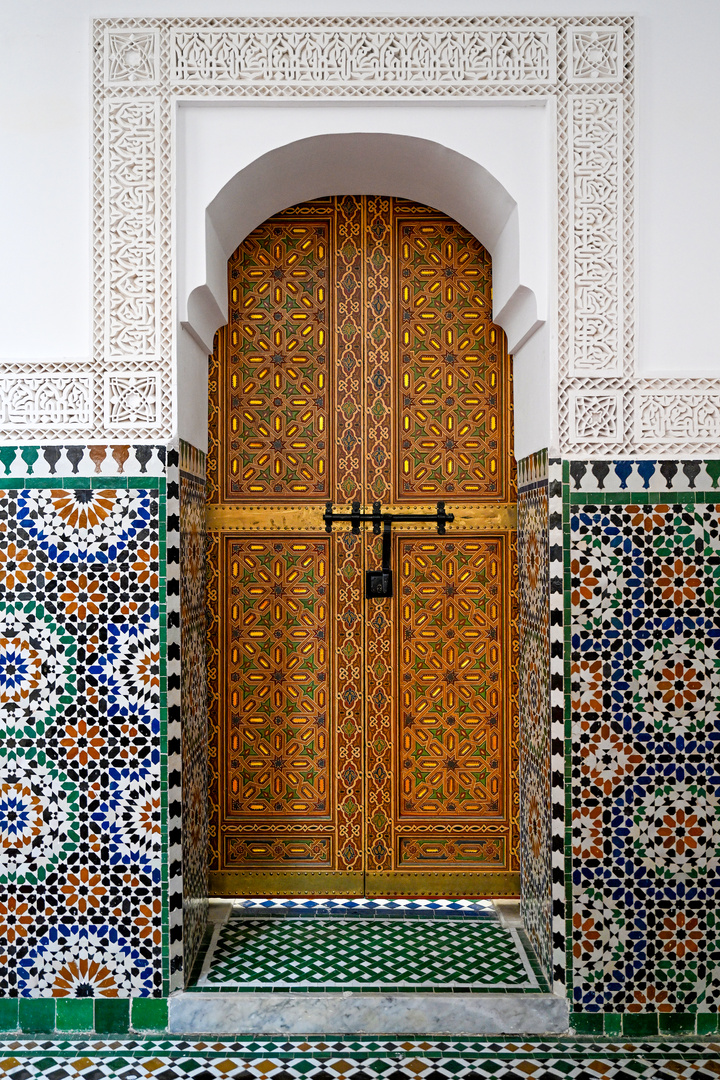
(378, 583)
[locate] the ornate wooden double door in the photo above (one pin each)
(361, 746)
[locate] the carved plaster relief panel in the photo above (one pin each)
(60, 403)
(595, 54)
(142, 66)
(595, 248)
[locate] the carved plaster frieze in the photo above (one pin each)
(47, 401)
(367, 56)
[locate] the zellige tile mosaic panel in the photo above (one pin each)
(82, 798)
(642, 596)
(534, 682)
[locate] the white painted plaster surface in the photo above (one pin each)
(45, 129)
(511, 141)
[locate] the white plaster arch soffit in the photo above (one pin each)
(143, 68)
(365, 164)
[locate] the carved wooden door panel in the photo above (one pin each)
(361, 745)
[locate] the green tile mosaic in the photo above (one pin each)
(587, 1023)
(676, 1023)
(37, 1015)
(112, 1016)
(613, 1023)
(149, 1014)
(74, 1014)
(639, 1025)
(362, 954)
(8, 1014)
(707, 1023)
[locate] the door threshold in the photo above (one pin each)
(375, 967)
(367, 1013)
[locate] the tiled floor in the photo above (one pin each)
(357, 1059)
(369, 908)
(388, 946)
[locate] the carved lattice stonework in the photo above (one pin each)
(359, 338)
(131, 57)
(132, 223)
(131, 398)
(595, 55)
(59, 402)
(597, 416)
(392, 53)
(596, 345)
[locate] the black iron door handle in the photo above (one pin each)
(378, 583)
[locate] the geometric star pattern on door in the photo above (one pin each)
(278, 670)
(278, 420)
(360, 361)
(451, 701)
(449, 411)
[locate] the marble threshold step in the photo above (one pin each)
(367, 1013)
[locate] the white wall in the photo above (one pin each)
(45, 164)
(513, 142)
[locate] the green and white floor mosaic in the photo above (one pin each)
(366, 1058)
(388, 955)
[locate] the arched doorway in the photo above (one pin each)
(362, 743)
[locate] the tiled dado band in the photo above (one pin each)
(91, 903)
(626, 847)
(641, 598)
(89, 870)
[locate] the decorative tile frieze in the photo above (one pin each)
(108, 459)
(192, 460)
(670, 476)
(532, 468)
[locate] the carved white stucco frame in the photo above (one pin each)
(143, 66)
